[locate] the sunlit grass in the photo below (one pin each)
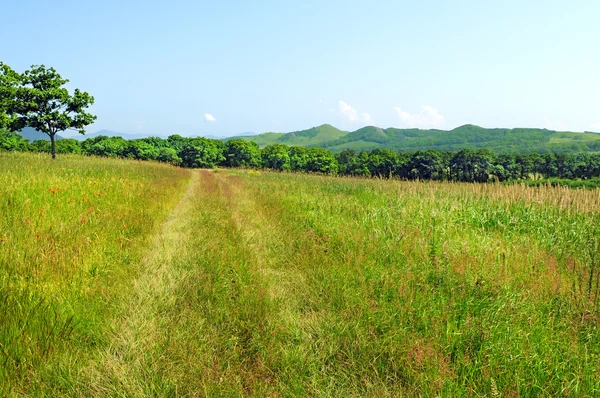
(274, 284)
(70, 235)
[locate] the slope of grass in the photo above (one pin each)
(518, 140)
(468, 137)
(262, 139)
(315, 136)
(272, 284)
(71, 235)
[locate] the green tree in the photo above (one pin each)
(507, 168)
(11, 141)
(68, 145)
(177, 142)
(426, 165)
(276, 157)
(42, 102)
(472, 166)
(112, 147)
(40, 146)
(9, 81)
(382, 163)
(242, 153)
(202, 153)
(298, 158)
(346, 159)
(63, 146)
(320, 160)
(168, 155)
(141, 150)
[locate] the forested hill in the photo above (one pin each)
(314, 137)
(519, 140)
(32, 134)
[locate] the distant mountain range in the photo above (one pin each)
(518, 140)
(32, 134)
(109, 133)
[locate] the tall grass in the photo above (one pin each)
(295, 285)
(71, 231)
(271, 284)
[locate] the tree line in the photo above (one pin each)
(38, 98)
(466, 165)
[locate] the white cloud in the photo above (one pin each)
(348, 112)
(595, 126)
(428, 117)
(209, 118)
(352, 114)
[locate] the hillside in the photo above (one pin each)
(519, 140)
(129, 136)
(315, 136)
(499, 140)
(32, 134)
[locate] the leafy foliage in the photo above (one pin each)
(276, 157)
(202, 153)
(466, 165)
(38, 99)
(9, 80)
(11, 141)
(240, 153)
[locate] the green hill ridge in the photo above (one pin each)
(499, 140)
(312, 137)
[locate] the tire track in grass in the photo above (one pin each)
(213, 306)
(259, 225)
(271, 239)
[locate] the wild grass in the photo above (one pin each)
(267, 284)
(70, 238)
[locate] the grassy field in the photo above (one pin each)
(71, 236)
(234, 283)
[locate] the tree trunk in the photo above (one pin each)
(52, 145)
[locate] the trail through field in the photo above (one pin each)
(162, 344)
(258, 287)
(122, 365)
(140, 279)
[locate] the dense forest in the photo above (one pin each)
(466, 165)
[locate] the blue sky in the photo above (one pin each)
(228, 67)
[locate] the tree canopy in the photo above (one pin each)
(39, 99)
(9, 81)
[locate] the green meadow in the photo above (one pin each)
(127, 278)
